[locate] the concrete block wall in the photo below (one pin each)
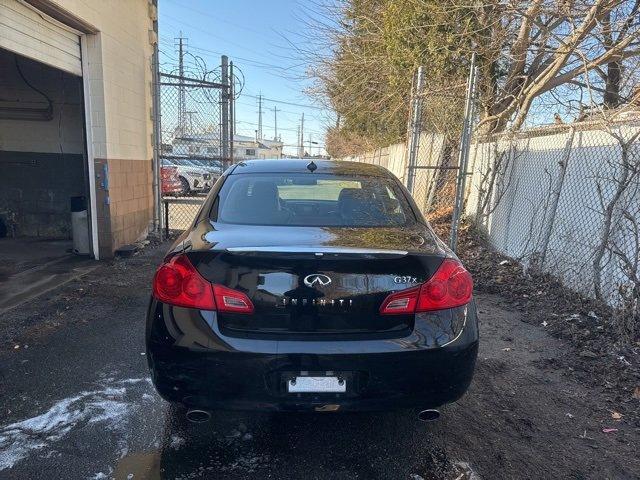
(131, 182)
(36, 188)
(119, 59)
(41, 162)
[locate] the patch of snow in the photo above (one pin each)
(176, 442)
(248, 464)
(467, 472)
(108, 404)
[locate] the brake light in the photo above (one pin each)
(451, 286)
(233, 301)
(177, 282)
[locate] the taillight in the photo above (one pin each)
(403, 301)
(233, 301)
(177, 282)
(451, 286)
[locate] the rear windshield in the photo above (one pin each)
(304, 199)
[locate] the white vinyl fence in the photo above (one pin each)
(395, 158)
(565, 200)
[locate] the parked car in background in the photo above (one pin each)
(194, 178)
(169, 181)
(311, 286)
(212, 166)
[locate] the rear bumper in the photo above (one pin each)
(233, 374)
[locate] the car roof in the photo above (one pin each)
(299, 165)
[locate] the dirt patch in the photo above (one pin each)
(598, 356)
(525, 418)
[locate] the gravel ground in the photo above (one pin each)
(76, 403)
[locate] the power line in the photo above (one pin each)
(253, 124)
(218, 18)
(289, 112)
(284, 102)
(237, 45)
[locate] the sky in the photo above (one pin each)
(256, 35)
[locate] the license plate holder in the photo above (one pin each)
(316, 384)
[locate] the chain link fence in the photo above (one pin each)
(438, 144)
(179, 213)
(194, 145)
(565, 200)
(191, 122)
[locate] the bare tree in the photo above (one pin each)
(541, 46)
(626, 176)
(540, 55)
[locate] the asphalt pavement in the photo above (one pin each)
(76, 402)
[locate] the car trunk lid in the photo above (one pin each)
(315, 292)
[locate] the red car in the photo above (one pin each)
(171, 184)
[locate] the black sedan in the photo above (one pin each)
(311, 286)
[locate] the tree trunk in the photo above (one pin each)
(612, 88)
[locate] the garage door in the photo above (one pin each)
(32, 34)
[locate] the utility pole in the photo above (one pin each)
(182, 104)
(298, 140)
(232, 110)
(260, 116)
(275, 123)
(189, 123)
(301, 149)
(225, 110)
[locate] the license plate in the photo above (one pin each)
(316, 385)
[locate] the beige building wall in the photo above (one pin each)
(118, 72)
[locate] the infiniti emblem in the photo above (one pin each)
(317, 279)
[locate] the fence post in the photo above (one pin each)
(414, 130)
(547, 228)
(465, 146)
(232, 111)
(166, 217)
(225, 110)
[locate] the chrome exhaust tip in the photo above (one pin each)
(198, 416)
(430, 415)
